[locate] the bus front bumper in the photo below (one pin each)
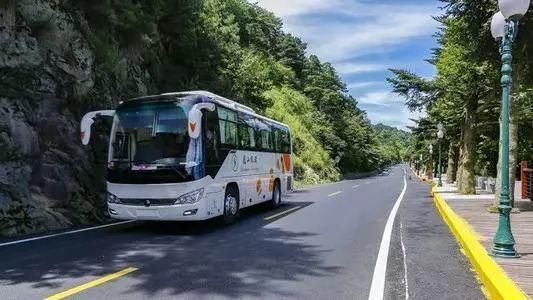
(190, 212)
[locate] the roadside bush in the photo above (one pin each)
(313, 163)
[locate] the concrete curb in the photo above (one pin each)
(496, 282)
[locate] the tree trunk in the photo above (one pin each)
(451, 170)
(459, 174)
(467, 182)
(7, 11)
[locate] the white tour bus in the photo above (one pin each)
(192, 156)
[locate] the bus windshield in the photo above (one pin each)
(151, 134)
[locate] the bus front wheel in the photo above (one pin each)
(231, 204)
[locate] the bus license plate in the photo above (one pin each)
(147, 213)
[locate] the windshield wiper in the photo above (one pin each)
(175, 168)
(163, 166)
(144, 162)
(189, 164)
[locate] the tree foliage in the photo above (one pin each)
(239, 50)
(393, 144)
(419, 93)
(468, 94)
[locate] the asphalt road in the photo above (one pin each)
(321, 244)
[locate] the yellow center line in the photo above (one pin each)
(88, 285)
(333, 194)
(282, 213)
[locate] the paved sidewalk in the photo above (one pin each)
(474, 210)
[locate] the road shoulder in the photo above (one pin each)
(430, 262)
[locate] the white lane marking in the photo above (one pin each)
(404, 263)
(377, 287)
(333, 194)
(64, 233)
(355, 186)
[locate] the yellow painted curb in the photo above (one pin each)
(496, 282)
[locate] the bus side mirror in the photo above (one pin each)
(88, 120)
(195, 118)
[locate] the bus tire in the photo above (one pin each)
(276, 195)
(231, 204)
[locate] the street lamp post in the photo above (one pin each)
(440, 135)
(504, 27)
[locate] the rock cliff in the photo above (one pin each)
(48, 79)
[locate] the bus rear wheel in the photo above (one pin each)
(276, 195)
(231, 205)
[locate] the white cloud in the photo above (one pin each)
(397, 116)
(364, 84)
(388, 108)
(285, 8)
(354, 68)
(288, 8)
(352, 28)
(340, 40)
(416, 116)
(392, 118)
(380, 98)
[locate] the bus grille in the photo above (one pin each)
(147, 202)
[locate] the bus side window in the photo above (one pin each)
(266, 140)
(246, 138)
(277, 140)
(263, 136)
(290, 143)
(286, 141)
(228, 127)
(253, 144)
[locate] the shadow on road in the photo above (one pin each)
(301, 191)
(243, 260)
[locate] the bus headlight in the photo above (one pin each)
(112, 198)
(191, 197)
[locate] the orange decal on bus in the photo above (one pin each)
(193, 126)
(271, 181)
(258, 186)
(287, 162)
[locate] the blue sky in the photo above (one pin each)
(363, 38)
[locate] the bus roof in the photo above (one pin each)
(213, 97)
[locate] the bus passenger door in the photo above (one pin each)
(213, 159)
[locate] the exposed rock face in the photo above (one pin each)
(48, 180)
